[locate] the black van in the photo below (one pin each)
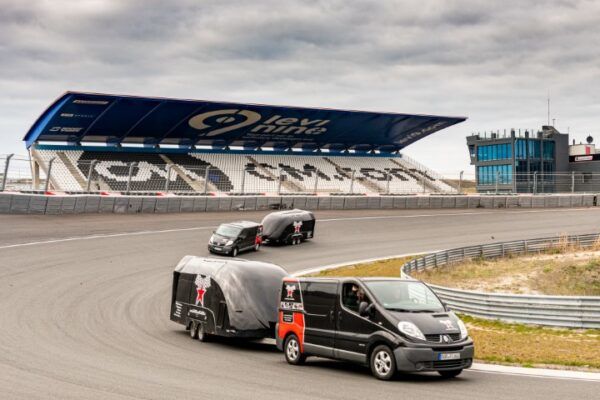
(233, 237)
(389, 324)
(235, 298)
(288, 227)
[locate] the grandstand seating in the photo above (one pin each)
(237, 173)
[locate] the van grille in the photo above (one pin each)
(438, 338)
(448, 364)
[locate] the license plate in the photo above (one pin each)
(448, 356)
(218, 248)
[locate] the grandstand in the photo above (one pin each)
(107, 143)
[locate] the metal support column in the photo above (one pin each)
(49, 174)
(460, 179)
(279, 182)
(572, 181)
(535, 182)
(131, 166)
(243, 180)
(206, 180)
(497, 180)
(5, 176)
(316, 181)
(352, 183)
(168, 180)
(387, 183)
(90, 174)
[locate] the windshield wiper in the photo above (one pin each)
(398, 309)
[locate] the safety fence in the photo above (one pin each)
(566, 311)
(40, 203)
(234, 174)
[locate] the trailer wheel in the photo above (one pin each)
(292, 352)
(193, 330)
(201, 334)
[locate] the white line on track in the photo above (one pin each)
(198, 228)
(536, 372)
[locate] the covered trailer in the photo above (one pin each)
(235, 298)
(288, 227)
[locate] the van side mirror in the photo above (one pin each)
(365, 309)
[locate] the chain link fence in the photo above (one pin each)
(92, 176)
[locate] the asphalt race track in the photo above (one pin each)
(84, 307)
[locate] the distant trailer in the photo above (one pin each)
(233, 298)
(288, 227)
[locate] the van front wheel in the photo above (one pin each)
(383, 363)
(293, 355)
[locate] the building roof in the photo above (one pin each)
(109, 119)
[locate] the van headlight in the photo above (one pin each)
(410, 329)
(229, 243)
(463, 329)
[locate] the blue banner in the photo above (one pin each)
(100, 118)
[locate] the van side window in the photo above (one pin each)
(318, 297)
(352, 295)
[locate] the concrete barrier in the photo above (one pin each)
(16, 203)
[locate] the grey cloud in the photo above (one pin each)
(491, 61)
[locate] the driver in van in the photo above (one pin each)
(354, 297)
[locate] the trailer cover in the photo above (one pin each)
(275, 223)
(250, 288)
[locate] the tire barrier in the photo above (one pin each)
(25, 203)
(559, 311)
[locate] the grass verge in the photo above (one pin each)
(506, 343)
(573, 273)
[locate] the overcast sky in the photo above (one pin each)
(493, 63)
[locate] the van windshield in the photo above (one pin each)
(228, 230)
(408, 296)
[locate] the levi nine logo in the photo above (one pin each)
(215, 123)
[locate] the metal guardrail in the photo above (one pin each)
(565, 311)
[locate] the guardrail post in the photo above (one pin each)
(525, 247)
(243, 180)
(535, 182)
(168, 178)
(502, 249)
(572, 181)
(49, 174)
(5, 176)
(131, 166)
(352, 183)
(90, 173)
(206, 180)
(316, 181)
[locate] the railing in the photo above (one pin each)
(568, 311)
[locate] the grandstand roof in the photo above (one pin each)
(78, 118)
